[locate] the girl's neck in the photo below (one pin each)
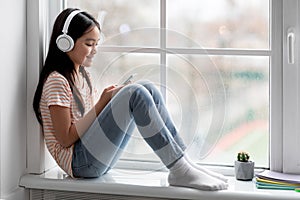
(77, 68)
(79, 79)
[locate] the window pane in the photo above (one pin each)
(114, 68)
(221, 106)
(220, 23)
(117, 18)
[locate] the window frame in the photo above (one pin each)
(291, 75)
(276, 88)
(40, 14)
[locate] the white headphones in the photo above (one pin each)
(65, 42)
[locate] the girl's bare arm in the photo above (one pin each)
(68, 133)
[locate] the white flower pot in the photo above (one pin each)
(244, 170)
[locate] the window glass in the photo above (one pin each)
(221, 105)
(113, 68)
(120, 16)
(220, 23)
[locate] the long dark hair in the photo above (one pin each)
(59, 61)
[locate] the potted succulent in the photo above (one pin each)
(244, 168)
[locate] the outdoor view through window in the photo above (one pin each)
(209, 58)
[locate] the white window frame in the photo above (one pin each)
(276, 102)
(291, 93)
(39, 14)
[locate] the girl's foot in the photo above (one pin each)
(209, 172)
(183, 174)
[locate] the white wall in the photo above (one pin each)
(13, 98)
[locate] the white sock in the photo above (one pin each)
(183, 174)
(209, 172)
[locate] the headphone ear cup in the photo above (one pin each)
(65, 43)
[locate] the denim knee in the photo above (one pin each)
(147, 84)
(139, 93)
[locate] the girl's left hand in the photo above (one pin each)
(116, 89)
(108, 93)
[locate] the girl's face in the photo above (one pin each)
(85, 48)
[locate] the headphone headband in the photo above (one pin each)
(68, 20)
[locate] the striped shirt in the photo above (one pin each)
(57, 91)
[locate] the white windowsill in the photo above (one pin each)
(147, 184)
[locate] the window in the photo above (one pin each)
(211, 60)
(231, 61)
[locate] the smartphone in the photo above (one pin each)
(129, 79)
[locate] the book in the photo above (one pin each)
(276, 180)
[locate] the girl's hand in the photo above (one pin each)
(66, 132)
(108, 93)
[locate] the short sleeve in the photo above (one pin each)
(57, 91)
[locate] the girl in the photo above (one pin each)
(86, 138)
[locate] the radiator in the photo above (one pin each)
(37, 194)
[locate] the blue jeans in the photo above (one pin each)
(139, 104)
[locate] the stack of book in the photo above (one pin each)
(275, 180)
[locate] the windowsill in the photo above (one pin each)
(147, 184)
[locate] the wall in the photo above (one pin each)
(13, 98)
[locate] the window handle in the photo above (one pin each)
(291, 46)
